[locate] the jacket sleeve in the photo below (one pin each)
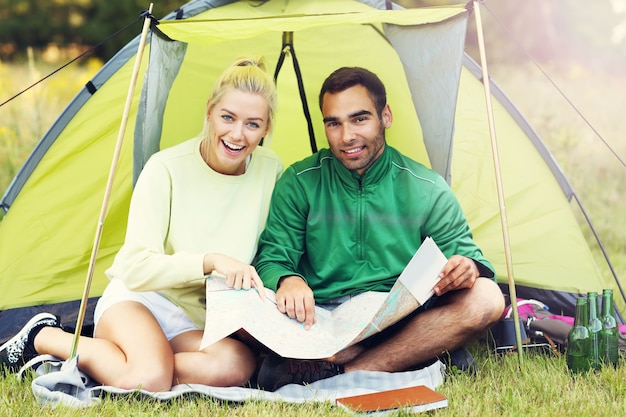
(448, 227)
(282, 243)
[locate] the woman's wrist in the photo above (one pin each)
(208, 264)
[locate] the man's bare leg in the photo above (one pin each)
(465, 315)
(462, 316)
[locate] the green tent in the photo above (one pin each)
(434, 90)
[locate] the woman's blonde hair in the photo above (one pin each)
(248, 75)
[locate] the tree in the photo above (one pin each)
(38, 23)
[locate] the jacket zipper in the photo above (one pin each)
(361, 220)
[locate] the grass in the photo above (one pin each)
(542, 386)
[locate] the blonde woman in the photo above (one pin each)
(197, 209)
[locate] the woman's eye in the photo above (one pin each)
(227, 117)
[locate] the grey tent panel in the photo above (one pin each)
(166, 57)
(434, 93)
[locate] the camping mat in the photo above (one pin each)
(59, 382)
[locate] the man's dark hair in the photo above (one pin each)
(346, 77)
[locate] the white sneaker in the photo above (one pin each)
(20, 349)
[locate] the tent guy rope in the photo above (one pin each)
(83, 54)
(569, 101)
(109, 185)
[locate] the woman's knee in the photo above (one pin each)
(239, 363)
(143, 357)
(156, 379)
(228, 362)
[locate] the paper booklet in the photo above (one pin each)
(229, 310)
(416, 399)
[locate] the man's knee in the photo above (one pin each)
(488, 297)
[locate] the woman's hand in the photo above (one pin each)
(238, 275)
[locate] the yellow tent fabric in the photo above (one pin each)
(243, 20)
(546, 240)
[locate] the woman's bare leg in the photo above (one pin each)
(128, 351)
(227, 362)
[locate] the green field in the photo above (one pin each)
(541, 387)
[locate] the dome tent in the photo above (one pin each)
(440, 120)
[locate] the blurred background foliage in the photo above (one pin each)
(42, 24)
(565, 31)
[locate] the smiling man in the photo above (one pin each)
(347, 220)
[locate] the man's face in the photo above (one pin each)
(355, 133)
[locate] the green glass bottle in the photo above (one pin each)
(609, 335)
(595, 327)
(578, 340)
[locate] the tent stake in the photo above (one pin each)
(496, 162)
(109, 185)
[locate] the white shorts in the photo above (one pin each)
(171, 317)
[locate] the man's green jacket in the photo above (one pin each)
(345, 233)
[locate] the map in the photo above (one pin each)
(229, 310)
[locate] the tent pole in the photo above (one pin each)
(496, 161)
(109, 185)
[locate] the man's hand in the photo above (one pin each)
(459, 272)
(295, 298)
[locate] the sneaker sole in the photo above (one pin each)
(36, 362)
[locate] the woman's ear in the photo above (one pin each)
(208, 108)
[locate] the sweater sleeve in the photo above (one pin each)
(281, 244)
(142, 263)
